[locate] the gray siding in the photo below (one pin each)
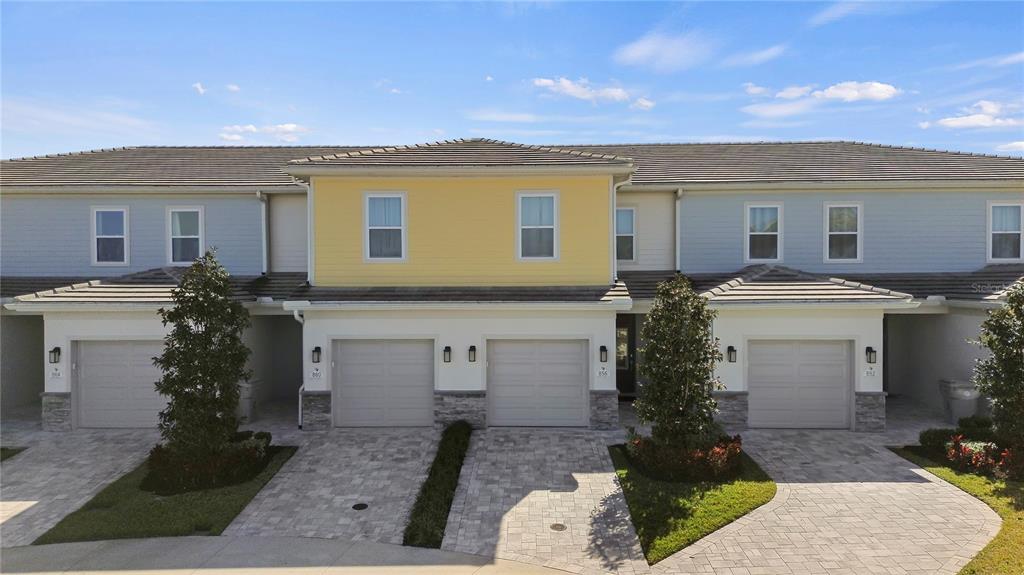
(51, 235)
(903, 231)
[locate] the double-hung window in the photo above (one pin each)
(385, 227)
(843, 233)
(538, 227)
(764, 233)
(109, 236)
(625, 234)
(1006, 232)
(186, 235)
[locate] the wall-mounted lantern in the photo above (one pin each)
(447, 354)
(316, 354)
(730, 354)
(604, 354)
(871, 355)
(55, 355)
(472, 353)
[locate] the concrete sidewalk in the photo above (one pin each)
(252, 555)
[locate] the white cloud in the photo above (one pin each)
(780, 109)
(793, 92)
(754, 89)
(233, 88)
(581, 89)
(1011, 147)
(855, 91)
(755, 58)
(30, 116)
(835, 12)
(666, 53)
(994, 61)
(488, 78)
(198, 87)
(394, 91)
(282, 132)
(642, 104)
(983, 114)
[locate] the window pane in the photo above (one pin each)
(538, 243)
(110, 223)
(764, 247)
(842, 247)
(624, 221)
(764, 220)
(621, 348)
(538, 211)
(1006, 246)
(109, 249)
(385, 243)
(624, 247)
(185, 224)
(1006, 218)
(184, 249)
(842, 219)
(386, 212)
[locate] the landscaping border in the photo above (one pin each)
(429, 515)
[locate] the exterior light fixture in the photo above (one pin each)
(316, 354)
(55, 355)
(871, 355)
(604, 354)
(447, 354)
(472, 353)
(730, 354)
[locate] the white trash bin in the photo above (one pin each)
(960, 398)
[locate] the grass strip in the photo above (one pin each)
(429, 514)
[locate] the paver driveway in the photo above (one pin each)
(313, 494)
(517, 483)
(59, 472)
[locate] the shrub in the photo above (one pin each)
(1000, 376)
(976, 428)
(716, 460)
(934, 440)
(1011, 463)
(975, 456)
(171, 472)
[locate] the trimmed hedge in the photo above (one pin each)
(429, 514)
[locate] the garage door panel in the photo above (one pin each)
(538, 383)
(799, 384)
(116, 384)
(383, 383)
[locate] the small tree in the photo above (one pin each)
(1000, 376)
(679, 357)
(203, 361)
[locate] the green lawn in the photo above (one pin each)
(1005, 553)
(668, 516)
(122, 510)
(429, 515)
(9, 452)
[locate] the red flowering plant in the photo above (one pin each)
(974, 456)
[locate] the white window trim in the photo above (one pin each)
(746, 233)
(988, 239)
(202, 232)
(92, 227)
(519, 225)
(366, 227)
(632, 211)
(860, 233)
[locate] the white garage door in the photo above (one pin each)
(116, 384)
(537, 383)
(799, 384)
(383, 383)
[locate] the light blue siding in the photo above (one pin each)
(903, 231)
(51, 235)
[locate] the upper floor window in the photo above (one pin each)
(385, 227)
(538, 231)
(1006, 232)
(186, 235)
(842, 233)
(764, 233)
(625, 234)
(109, 236)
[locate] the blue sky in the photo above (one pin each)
(939, 75)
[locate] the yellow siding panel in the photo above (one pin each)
(462, 232)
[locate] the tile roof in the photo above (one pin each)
(477, 152)
(779, 284)
(11, 286)
(986, 284)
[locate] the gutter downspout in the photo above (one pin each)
(264, 227)
(302, 388)
(679, 231)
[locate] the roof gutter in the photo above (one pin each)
(617, 305)
(305, 171)
(818, 185)
(115, 189)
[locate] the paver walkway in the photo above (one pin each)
(59, 472)
(517, 483)
(313, 494)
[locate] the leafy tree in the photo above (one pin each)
(203, 361)
(1000, 376)
(679, 357)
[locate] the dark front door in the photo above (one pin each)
(625, 354)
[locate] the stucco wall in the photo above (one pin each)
(458, 329)
(21, 350)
